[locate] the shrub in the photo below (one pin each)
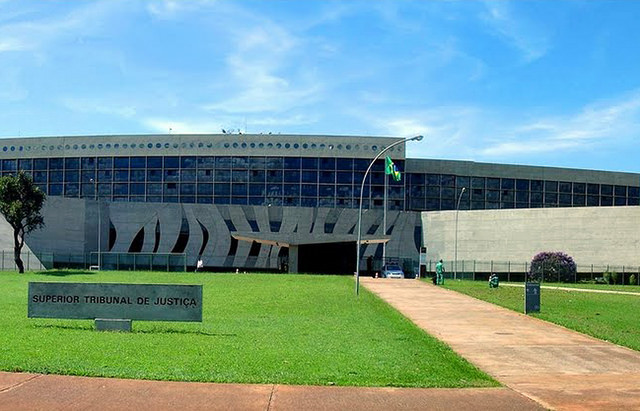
(611, 277)
(632, 280)
(552, 266)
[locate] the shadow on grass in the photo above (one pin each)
(64, 273)
(169, 331)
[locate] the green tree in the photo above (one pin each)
(20, 204)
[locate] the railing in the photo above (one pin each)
(517, 271)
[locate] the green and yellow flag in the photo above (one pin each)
(391, 168)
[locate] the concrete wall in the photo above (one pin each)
(591, 235)
(72, 227)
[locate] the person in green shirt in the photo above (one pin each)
(439, 273)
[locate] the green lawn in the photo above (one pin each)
(611, 317)
(287, 329)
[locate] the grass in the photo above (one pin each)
(610, 317)
(286, 329)
(592, 286)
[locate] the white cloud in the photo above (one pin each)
(101, 106)
(528, 38)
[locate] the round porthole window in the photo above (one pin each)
(278, 145)
(84, 146)
(13, 148)
(374, 148)
(125, 145)
(261, 145)
(270, 145)
(296, 145)
(330, 146)
(305, 145)
(235, 145)
(175, 145)
(5, 148)
(100, 146)
(252, 145)
(243, 145)
(226, 145)
(150, 145)
(116, 145)
(287, 145)
(132, 145)
(67, 147)
(348, 147)
(209, 145)
(200, 145)
(92, 146)
(313, 145)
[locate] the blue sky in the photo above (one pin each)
(528, 82)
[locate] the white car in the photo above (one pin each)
(392, 271)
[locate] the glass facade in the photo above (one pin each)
(300, 182)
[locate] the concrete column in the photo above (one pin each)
(293, 259)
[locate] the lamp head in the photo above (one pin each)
(417, 138)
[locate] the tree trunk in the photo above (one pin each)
(17, 248)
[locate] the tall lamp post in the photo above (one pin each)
(95, 194)
(384, 150)
(455, 247)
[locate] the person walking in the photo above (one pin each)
(440, 273)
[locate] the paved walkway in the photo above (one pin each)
(584, 290)
(559, 368)
(56, 392)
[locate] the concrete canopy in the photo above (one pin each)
(296, 239)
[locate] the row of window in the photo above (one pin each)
(100, 146)
(188, 175)
(219, 189)
(473, 184)
(192, 162)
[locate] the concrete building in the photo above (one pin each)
(270, 202)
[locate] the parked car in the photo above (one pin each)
(392, 271)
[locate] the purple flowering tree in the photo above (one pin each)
(552, 266)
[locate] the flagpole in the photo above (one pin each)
(384, 219)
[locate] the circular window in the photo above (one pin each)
(305, 145)
(116, 145)
(166, 145)
(330, 146)
(261, 145)
(252, 145)
(92, 146)
(322, 146)
(100, 146)
(150, 145)
(60, 147)
(374, 148)
(296, 145)
(270, 145)
(357, 147)
(108, 145)
(243, 145)
(209, 145)
(4, 149)
(278, 145)
(191, 145)
(67, 147)
(226, 145)
(13, 148)
(235, 145)
(287, 145)
(348, 147)
(28, 148)
(124, 145)
(339, 146)
(313, 145)
(132, 145)
(43, 148)
(83, 146)
(20, 148)
(175, 145)
(200, 145)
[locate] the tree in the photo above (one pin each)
(552, 266)
(20, 204)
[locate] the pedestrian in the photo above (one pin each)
(440, 273)
(199, 265)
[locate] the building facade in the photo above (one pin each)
(269, 201)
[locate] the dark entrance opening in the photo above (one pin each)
(327, 258)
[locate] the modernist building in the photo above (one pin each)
(265, 201)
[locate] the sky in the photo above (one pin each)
(553, 83)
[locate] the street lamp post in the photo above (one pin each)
(455, 247)
(384, 150)
(95, 194)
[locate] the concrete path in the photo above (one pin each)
(584, 290)
(559, 368)
(20, 391)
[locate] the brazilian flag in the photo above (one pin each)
(391, 168)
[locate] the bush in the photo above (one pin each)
(632, 280)
(611, 277)
(552, 266)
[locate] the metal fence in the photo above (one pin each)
(175, 262)
(517, 271)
